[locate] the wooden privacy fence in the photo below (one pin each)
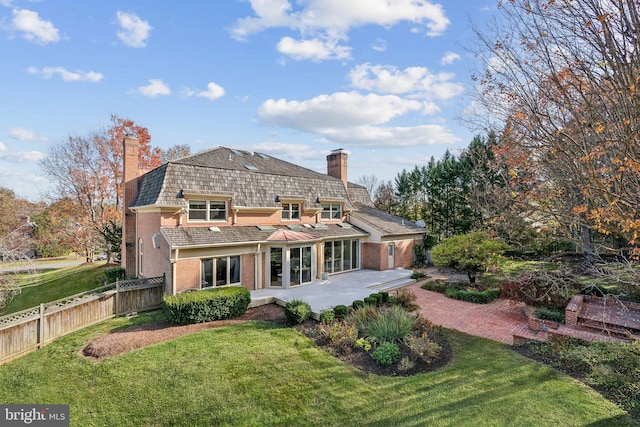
(30, 329)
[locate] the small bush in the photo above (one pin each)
(436, 285)
(391, 324)
(378, 298)
(549, 314)
(340, 311)
(385, 296)
(342, 335)
(206, 306)
(406, 298)
(370, 301)
(418, 275)
(114, 273)
(357, 304)
(297, 311)
(475, 297)
(422, 347)
(406, 364)
(363, 344)
(386, 353)
(327, 316)
(361, 316)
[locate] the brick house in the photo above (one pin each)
(232, 217)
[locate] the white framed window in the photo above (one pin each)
(291, 211)
(220, 271)
(207, 210)
(331, 211)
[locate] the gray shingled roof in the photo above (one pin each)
(224, 171)
(359, 194)
(387, 224)
(203, 236)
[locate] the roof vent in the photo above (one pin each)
(251, 167)
(214, 228)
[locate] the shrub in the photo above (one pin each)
(297, 311)
(207, 305)
(357, 304)
(406, 298)
(422, 347)
(340, 311)
(471, 252)
(363, 344)
(475, 297)
(342, 335)
(327, 316)
(549, 314)
(418, 275)
(391, 324)
(386, 353)
(361, 316)
(114, 273)
(385, 296)
(436, 285)
(406, 364)
(378, 298)
(370, 301)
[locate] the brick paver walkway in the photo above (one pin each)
(499, 320)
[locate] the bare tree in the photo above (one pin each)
(175, 152)
(561, 82)
(14, 247)
(370, 182)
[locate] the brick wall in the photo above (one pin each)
(248, 271)
(188, 274)
(130, 192)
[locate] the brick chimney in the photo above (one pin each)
(337, 165)
(130, 157)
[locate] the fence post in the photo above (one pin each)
(41, 327)
(117, 313)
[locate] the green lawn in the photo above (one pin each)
(51, 285)
(259, 374)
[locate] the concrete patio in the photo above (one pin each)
(338, 289)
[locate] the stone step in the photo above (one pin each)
(392, 284)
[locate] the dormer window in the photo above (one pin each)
(291, 211)
(331, 211)
(207, 210)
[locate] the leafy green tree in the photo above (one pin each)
(471, 252)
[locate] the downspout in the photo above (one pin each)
(174, 270)
(257, 269)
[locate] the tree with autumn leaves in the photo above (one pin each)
(560, 83)
(86, 173)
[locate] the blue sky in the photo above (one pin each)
(290, 78)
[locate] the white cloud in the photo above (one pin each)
(326, 22)
(20, 156)
(350, 118)
(23, 134)
(66, 75)
(313, 49)
(374, 136)
(213, 91)
(6, 3)
(449, 58)
(297, 152)
(336, 111)
(415, 81)
(154, 88)
(33, 28)
(379, 45)
(133, 30)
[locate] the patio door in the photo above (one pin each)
(275, 267)
(300, 265)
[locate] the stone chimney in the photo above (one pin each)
(337, 165)
(130, 157)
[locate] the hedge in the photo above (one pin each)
(476, 297)
(206, 305)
